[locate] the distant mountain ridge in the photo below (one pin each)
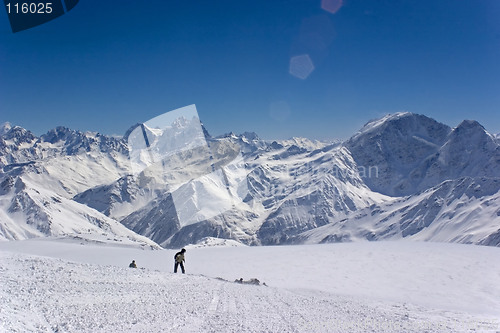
(402, 176)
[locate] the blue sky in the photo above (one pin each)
(107, 65)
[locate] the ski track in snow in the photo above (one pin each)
(39, 294)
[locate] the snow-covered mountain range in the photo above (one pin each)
(401, 176)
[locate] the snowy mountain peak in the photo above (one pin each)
(246, 136)
(377, 123)
(19, 135)
(402, 124)
(470, 127)
(230, 135)
(470, 135)
(397, 145)
(60, 133)
(251, 136)
(181, 122)
(4, 128)
(72, 142)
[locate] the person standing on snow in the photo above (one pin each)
(179, 260)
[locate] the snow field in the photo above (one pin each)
(362, 287)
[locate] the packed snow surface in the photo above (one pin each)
(55, 286)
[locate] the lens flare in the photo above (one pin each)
(331, 6)
(301, 66)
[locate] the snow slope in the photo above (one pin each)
(361, 287)
(464, 210)
(28, 211)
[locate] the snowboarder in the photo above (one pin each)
(132, 264)
(179, 260)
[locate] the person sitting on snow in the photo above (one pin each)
(132, 264)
